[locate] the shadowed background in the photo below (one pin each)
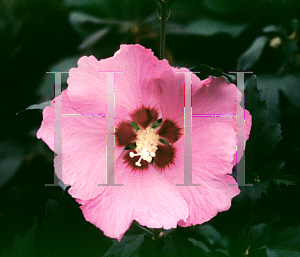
(260, 36)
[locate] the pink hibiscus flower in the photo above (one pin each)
(146, 90)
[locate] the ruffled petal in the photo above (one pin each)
(216, 101)
(87, 86)
(137, 85)
(136, 80)
(146, 197)
(213, 147)
(83, 139)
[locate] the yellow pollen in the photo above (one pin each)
(146, 145)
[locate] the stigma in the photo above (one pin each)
(146, 145)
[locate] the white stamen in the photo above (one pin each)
(138, 163)
(146, 145)
(132, 154)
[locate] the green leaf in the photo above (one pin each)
(156, 124)
(254, 192)
(148, 248)
(255, 105)
(135, 126)
(11, 157)
(264, 143)
(40, 106)
(65, 232)
(169, 248)
(117, 9)
(207, 26)
(252, 54)
(206, 71)
(163, 141)
(271, 169)
(184, 246)
(286, 179)
(282, 253)
(24, 246)
(126, 247)
(199, 244)
(274, 29)
(88, 25)
(210, 233)
(264, 137)
(227, 7)
(95, 6)
(93, 39)
(263, 242)
(209, 240)
(258, 238)
(270, 87)
(130, 146)
(282, 94)
(285, 243)
(269, 138)
(217, 253)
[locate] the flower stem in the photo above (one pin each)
(163, 22)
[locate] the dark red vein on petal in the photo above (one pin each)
(170, 131)
(144, 116)
(164, 156)
(125, 133)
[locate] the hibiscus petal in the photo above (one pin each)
(83, 141)
(146, 197)
(213, 147)
(138, 84)
(217, 101)
(87, 87)
(136, 80)
(172, 95)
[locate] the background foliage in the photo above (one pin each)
(50, 35)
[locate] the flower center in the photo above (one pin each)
(146, 145)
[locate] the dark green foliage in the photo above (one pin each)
(65, 232)
(261, 36)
